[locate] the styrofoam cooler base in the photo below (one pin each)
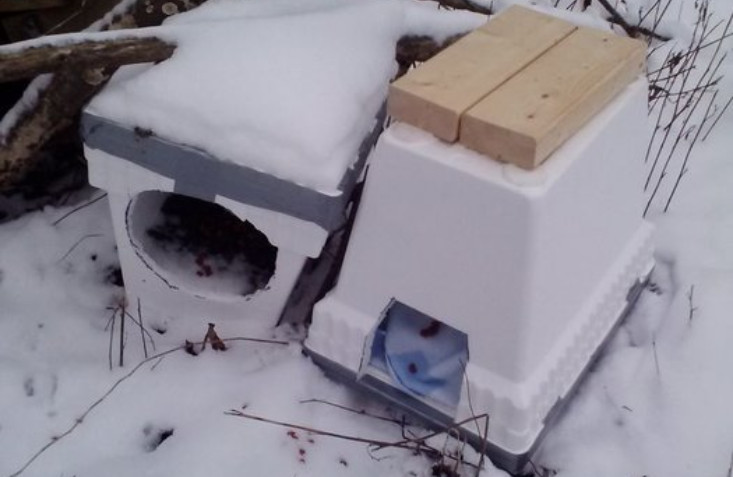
(520, 412)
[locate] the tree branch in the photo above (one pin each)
(31, 62)
(631, 30)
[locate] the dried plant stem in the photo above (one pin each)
(122, 335)
(720, 115)
(142, 329)
(77, 209)
(691, 304)
(80, 420)
(676, 98)
(690, 147)
(111, 325)
(409, 443)
(76, 244)
(361, 412)
(363, 440)
(675, 89)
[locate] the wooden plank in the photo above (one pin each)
(434, 95)
(24, 5)
(527, 118)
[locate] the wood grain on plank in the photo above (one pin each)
(434, 95)
(526, 119)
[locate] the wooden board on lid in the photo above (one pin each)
(435, 95)
(519, 86)
(530, 116)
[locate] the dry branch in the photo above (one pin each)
(682, 90)
(634, 31)
(27, 63)
(80, 420)
(415, 444)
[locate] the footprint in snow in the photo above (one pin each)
(155, 435)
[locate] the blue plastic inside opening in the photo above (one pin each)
(421, 355)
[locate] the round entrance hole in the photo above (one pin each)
(199, 246)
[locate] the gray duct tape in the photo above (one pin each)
(197, 174)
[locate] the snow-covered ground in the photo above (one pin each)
(657, 405)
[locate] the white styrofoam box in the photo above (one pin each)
(112, 173)
(533, 266)
(164, 297)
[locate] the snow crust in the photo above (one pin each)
(287, 88)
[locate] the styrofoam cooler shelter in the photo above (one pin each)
(230, 164)
(280, 223)
(472, 285)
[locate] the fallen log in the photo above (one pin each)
(68, 91)
(28, 63)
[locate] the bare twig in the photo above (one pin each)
(436, 433)
(123, 314)
(632, 30)
(256, 340)
(656, 358)
(142, 329)
(361, 412)
(674, 88)
(720, 115)
(76, 244)
(363, 440)
(483, 436)
(77, 209)
(111, 324)
(690, 147)
(80, 420)
(412, 444)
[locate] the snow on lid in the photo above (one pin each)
(287, 87)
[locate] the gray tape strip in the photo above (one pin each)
(197, 174)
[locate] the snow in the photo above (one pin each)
(24, 104)
(297, 105)
(676, 421)
(657, 404)
(53, 365)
